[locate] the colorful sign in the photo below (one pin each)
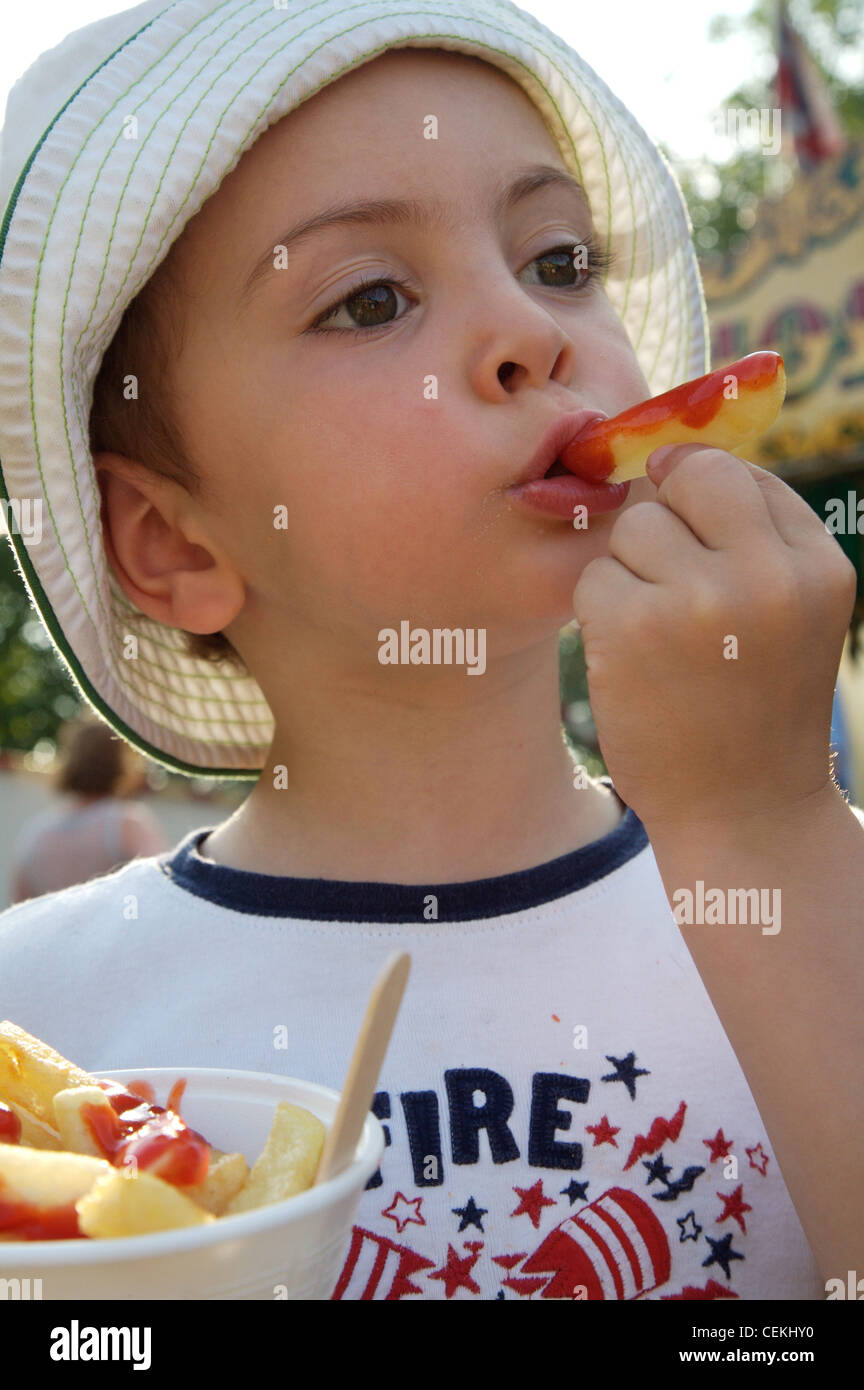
(798, 288)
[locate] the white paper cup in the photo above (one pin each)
(292, 1249)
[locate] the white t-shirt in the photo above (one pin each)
(562, 1107)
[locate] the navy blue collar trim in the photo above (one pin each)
(336, 900)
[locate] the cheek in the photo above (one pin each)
(360, 529)
(614, 367)
(373, 469)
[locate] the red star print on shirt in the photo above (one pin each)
(734, 1206)
(397, 1212)
(719, 1145)
(532, 1202)
(603, 1133)
(761, 1163)
(456, 1273)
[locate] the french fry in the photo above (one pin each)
(129, 1203)
(228, 1173)
(43, 1179)
(286, 1164)
(31, 1073)
(58, 1164)
(75, 1133)
(33, 1132)
(212, 1194)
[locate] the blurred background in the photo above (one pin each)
(773, 174)
(760, 112)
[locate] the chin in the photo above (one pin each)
(534, 610)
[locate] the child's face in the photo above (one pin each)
(394, 495)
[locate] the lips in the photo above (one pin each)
(546, 486)
(560, 496)
(555, 440)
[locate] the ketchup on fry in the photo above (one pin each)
(694, 404)
(28, 1222)
(133, 1131)
(148, 1135)
(10, 1125)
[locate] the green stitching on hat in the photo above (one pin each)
(23, 556)
(630, 132)
(148, 96)
(108, 618)
(671, 193)
(28, 572)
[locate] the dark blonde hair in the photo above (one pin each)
(94, 761)
(145, 429)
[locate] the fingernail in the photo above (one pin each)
(660, 455)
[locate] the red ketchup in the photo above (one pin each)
(24, 1221)
(10, 1126)
(694, 404)
(152, 1136)
(146, 1092)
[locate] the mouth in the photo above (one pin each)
(558, 435)
(560, 493)
(557, 471)
(549, 488)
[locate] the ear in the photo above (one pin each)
(158, 547)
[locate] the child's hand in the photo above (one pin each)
(713, 633)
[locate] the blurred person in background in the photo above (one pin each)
(94, 828)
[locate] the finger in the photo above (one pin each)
(715, 495)
(604, 583)
(653, 542)
(793, 518)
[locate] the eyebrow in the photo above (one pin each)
(410, 212)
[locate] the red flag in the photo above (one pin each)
(803, 99)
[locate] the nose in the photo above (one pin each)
(520, 345)
(514, 374)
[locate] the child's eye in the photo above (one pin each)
(374, 299)
(566, 264)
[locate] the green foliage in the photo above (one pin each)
(573, 681)
(36, 692)
(573, 687)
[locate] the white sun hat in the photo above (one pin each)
(88, 215)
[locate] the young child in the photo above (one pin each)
(359, 315)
